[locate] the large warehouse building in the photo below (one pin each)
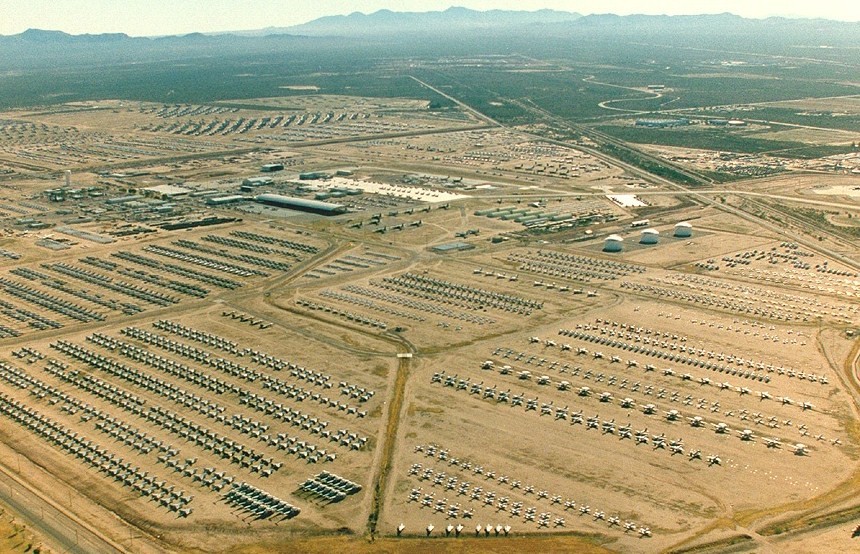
(301, 204)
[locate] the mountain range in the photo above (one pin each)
(433, 31)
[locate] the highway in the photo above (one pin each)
(59, 531)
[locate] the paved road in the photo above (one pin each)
(60, 532)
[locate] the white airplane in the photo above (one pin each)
(773, 442)
(714, 460)
(629, 526)
(800, 449)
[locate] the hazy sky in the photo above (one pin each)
(167, 17)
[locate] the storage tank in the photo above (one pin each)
(650, 236)
(684, 230)
(612, 243)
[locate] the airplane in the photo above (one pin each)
(721, 428)
(773, 442)
(806, 406)
(649, 409)
(613, 520)
(713, 460)
(800, 449)
(695, 454)
(672, 415)
(696, 421)
(642, 436)
(629, 526)
(746, 435)
(627, 403)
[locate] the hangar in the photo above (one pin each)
(301, 204)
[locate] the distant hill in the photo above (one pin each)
(387, 22)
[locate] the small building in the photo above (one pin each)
(257, 181)
(166, 192)
(312, 176)
(123, 199)
(458, 246)
(271, 168)
(683, 230)
(662, 123)
(224, 200)
(650, 236)
(300, 204)
(612, 243)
